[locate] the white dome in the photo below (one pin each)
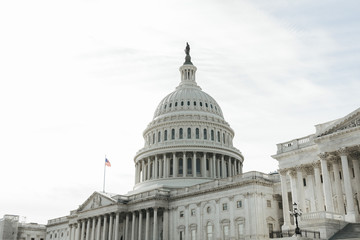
(186, 98)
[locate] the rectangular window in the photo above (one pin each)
(181, 235)
(224, 206)
(321, 179)
(304, 182)
(209, 232)
(226, 231)
(340, 175)
(268, 203)
(280, 205)
(353, 172)
(193, 213)
(239, 204)
(241, 230)
(181, 214)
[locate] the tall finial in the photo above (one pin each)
(187, 52)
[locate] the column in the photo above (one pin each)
(229, 168)
(110, 235)
(133, 225)
(339, 194)
(104, 228)
(165, 168)
(155, 224)
(148, 168)
(166, 224)
(88, 229)
(355, 160)
(203, 166)
(140, 224)
(326, 182)
(318, 187)
(136, 173)
(93, 229)
(117, 218)
(184, 165)
(212, 167)
(285, 200)
(147, 222)
(98, 230)
(142, 170)
(194, 165)
(82, 229)
(175, 166)
(77, 231)
(161, 175)
(292, 175)
(311, 187)
(156, 172)
(300, 187)
(350, 209)
(126, 232)
(218, 168)
(223, 175)
(71, 232)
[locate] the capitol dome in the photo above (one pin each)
(188, 142)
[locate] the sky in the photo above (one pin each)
(82, 79)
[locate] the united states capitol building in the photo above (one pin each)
(190, 184)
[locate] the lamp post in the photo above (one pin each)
(296, 213)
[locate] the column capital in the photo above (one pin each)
(283, 172)
(343, 151)
(355, 155)
(323, 155)
(316, 164)
(292, 172)
(309, 170)
(333, 159)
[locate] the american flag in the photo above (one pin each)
(107, 163)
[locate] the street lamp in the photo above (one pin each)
(296, 213)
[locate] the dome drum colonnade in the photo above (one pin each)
(187, 122)
(138, 224)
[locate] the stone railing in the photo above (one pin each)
(295, 144)
(57, 220)
(321, 215)
(143, 195)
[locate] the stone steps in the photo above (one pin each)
(350, 232)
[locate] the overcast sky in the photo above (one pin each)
(81, 79)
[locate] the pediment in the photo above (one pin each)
(96, 200)
(351, 120)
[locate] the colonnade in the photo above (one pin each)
(134, 225)
(333, 184)
(187, 164)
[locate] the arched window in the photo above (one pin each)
(159, 136)
(175, 104)
(189, 166)
(206, 105)
(188, 103)
(182, 103)
(180, 166)
(212, 135)
(198, 165)
(189, 133)
(218, 135)
(197, 133)
(224, 137)
(200, 104)
(205, 133)
(181, 134)
(170, 105)
(165, 135)
(194, 103)
(172, 134)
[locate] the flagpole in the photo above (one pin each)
(104, 173)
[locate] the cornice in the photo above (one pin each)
(184, 147)
(337, 133)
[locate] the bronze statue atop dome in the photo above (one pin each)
(187, 57)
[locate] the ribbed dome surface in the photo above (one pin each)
(188, 99)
